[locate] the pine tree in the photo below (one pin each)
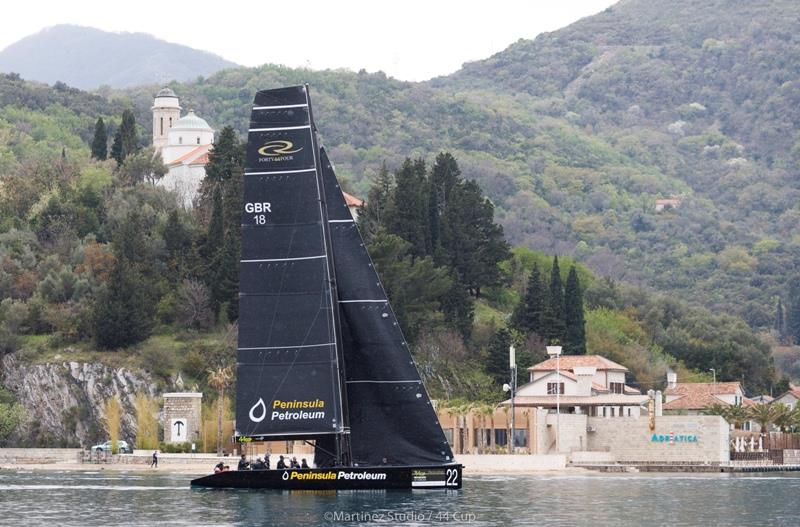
(554, 326)
(529, 314)
(225, 289)
(459, 309)
(497, 361)
(100, 141)
(575, 334)
(373, 217)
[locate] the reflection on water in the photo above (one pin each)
(95, 499)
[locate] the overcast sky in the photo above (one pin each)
(407, 39)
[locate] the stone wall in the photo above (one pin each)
(39, 455)
(678, 439)
(182, 417)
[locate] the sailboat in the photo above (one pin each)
(321, 356)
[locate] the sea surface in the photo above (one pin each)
(120, 499)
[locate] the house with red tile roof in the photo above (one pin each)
(790, 398)
(585, 384)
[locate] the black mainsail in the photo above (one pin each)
(288, 366)
(321, 355)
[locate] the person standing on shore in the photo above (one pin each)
(154, 463)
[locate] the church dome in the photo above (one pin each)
(190, 121)
(166, 92)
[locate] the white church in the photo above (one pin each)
(184, 143)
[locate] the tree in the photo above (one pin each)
(373, 216)
(497, 361)
(472, 243)
(226, 158)
(554, 324)
(12, 415)
(575, 331)
(220, 379)
(793, 316)
(780, 321)
(100, 141)
(528, 316)
(126, 141)
(146, 422)
(193, 308)
(763, 414)
(145, 165)
(116, 148)
(122, 313)
(113, 411)
(408, 213)
(445, 174)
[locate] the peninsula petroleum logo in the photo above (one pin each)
(278, 148)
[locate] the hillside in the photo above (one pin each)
(576, 134)
(87, 58)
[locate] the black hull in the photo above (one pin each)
(347, 478)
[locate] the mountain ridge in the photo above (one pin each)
(87, 58)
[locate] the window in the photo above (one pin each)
(180, 140)
(520, 437)
(604, 411)
(617, 387)
(613, 411)
(629, 412)
(198, 140)
(554, 388)
(162, 126)
(500, 437)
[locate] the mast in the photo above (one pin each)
(343, 454)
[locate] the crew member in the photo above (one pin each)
(243, 464)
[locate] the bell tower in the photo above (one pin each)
(166, 111)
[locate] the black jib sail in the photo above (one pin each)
(392, 421)
(288, 379)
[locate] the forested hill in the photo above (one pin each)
(576, 134)
(87, 58)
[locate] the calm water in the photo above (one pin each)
(94, 499)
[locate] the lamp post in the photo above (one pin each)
(714, 373)
(556, 350)
(512, 362)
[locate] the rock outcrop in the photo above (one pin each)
(65, 401)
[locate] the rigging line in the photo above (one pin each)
(341, 221)
(384, 382)
(286, 347)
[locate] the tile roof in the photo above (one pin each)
(579, 400)
(351, 200)
(569, 362)
(197, 156)
(698, 395)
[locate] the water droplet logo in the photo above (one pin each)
(285, 475)
(253, 416)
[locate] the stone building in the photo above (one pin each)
(182, 417)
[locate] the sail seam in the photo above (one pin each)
(279, 172)
(303, 127)
(285, 259)
(286, 347)
(340, 221)
(365, 300)
(383, 382)
(280, 107)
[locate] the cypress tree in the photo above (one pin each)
(122, 314)
(445, 174)
(793, 314)
(225, 289)
(497, 363)
(116, 148)
(130, 141)
(214, 241)
(100, 141)
(408, 214)
(575, 335)
(458, 309)
(529, 313)
(373, 217)
(554, 325)
(780, 321)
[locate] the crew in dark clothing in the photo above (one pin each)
(266, 461)
(281, 464)
(304, 464)
(243, 464)
(295, 464)
(219, 467)
(258, 465)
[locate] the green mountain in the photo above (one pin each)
(88, 58)
(576, 134)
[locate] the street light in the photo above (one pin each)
(556, 350)
(714, 373)
(512, 362)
